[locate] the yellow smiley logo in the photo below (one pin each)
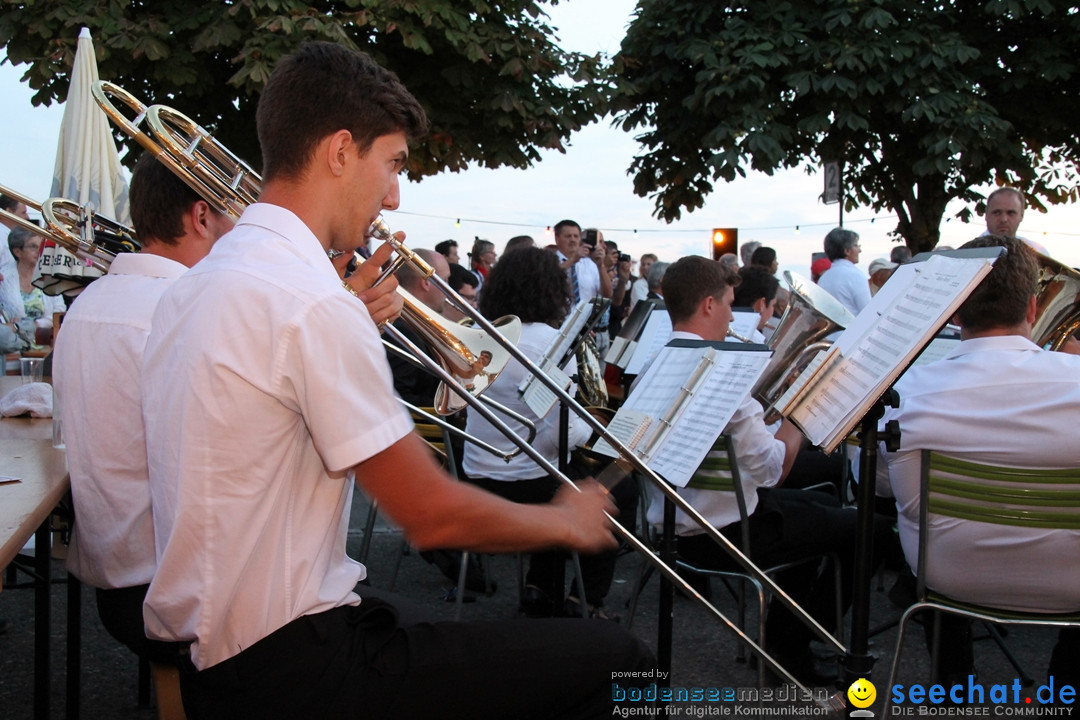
(862, 693)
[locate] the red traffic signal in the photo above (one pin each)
(724, 240)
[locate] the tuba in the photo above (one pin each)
(812, 314)
(1057, 304)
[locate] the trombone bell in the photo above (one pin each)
(472, 355)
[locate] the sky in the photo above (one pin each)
(587, 184)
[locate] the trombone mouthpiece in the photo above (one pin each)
(379, 229)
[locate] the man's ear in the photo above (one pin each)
(199, 217)
(759, 305)
(1032, 310)
(337, 150)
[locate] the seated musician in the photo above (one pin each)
(416, 385)
(785, 525)
(257, 430)
(996, 398)
(529, 283)
(97, 371)
(757, 290)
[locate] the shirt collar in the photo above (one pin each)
(147, 264)
(285, 224)
(994, 342)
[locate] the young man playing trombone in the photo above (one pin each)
(267, 393)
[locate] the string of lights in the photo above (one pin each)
(699, 231)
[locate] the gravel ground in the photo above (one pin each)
(703, 651)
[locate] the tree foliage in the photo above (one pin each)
(921, 100)
(496, 87)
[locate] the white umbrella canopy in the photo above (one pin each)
(87, 169)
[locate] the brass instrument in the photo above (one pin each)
(230, 185)
(732, 334)
(90, 237)
(1057, 304)
(627, 462)
(811, 315)
(591, 384)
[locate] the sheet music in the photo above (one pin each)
(938, 348)
(615, 351)
(698, 409)
(707, 414)
(653, 338)
(622, 347)
(561, 343)
(883, 339)
(538, 397)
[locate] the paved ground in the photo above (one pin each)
(704, 652)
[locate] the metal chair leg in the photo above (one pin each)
(995, 634)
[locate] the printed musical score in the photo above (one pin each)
(886, 336)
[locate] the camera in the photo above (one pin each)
(589, 238)
(624, 257)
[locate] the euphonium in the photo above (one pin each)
(811, 315)
(1057, 304)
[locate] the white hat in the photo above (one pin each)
(881, 264)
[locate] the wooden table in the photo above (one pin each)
(26, 452)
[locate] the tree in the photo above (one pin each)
(495, 86)
(920, 101)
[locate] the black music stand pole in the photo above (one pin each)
(858, 662)
(665, 620)
(558, 579)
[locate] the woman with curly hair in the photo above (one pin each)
(528, 283)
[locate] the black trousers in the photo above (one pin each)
(790, 525)
(363, 662)
(597, 570)
(956, 658)
(120, 610)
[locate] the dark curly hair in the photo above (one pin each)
(528, 283)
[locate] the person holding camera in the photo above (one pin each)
(575, 253)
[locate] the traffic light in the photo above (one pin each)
(724, 240)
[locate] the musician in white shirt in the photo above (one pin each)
(996, 398)
(267, 394)
(785, 525)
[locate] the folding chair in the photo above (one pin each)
(719, 472)
(1015, 497)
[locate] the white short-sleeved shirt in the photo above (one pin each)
(97, 370)
(999, 400)
(761, 461)
(264, 382)
(535, 338)
(848, 284)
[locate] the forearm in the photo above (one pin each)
(435, 510)
(605, 280)
(792, 438)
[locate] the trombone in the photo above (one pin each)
(226, 182)
(76, 228)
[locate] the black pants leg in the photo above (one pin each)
(358, 662)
